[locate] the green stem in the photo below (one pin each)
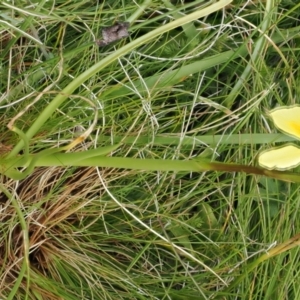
(92, 158)
(285, 176)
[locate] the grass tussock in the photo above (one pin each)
(199, 88)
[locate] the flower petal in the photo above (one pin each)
(287, 120)
(283, 158)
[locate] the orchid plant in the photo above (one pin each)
(286, 119)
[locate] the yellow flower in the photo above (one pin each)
(288, 120)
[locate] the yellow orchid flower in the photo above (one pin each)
(286, 119)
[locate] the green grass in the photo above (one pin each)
(194, 80)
